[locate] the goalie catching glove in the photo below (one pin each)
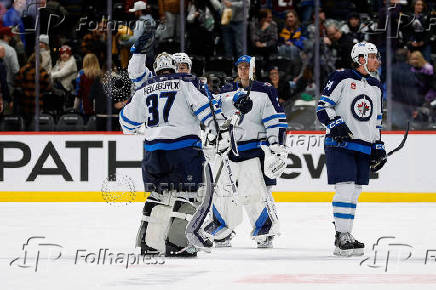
(275, 160)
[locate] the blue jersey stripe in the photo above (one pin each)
(138, 79)
(201, 109)
(348, 145)
(125, 119)
(276, 116)
(278, 126)
(174, 145)
(251, 145)
(207, 117)
(331, 102)
(128, 128)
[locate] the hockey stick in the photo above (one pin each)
(225, 159)
(237, 116)
(399, 147)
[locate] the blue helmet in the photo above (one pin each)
(243, 58)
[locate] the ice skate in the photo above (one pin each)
(265, 242)
(344, 245)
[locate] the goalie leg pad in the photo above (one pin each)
(148, 207)
(182, 212)
(158, 226)
(259, 203)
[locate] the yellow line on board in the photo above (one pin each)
(97, 196)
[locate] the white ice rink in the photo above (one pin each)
(301, 259)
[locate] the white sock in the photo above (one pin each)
(344, 206)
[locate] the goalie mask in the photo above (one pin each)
(164, 61)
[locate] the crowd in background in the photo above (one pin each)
(280, 33)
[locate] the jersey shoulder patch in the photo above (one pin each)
(336, 78)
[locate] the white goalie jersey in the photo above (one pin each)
(171, 107)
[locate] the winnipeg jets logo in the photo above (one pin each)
(362, 108)
(328, 86)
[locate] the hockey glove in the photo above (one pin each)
(223, 141)
(378, 156)
(242, 102)
(143, 43)
(275, 160)
(339, 131)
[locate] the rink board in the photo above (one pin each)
(75, 167)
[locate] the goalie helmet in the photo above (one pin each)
(182, 57)
(164, 61)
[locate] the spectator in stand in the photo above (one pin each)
(306, 10)
(282, 86)
(417, 32)
(424, 74)
(311, 27)
(88, 80)
(65, 69)
(264, 34)
(3, 83)
(355, 29)
(405, 96)
(10, 59)
(232, 32)
(342, 43)
(45, 52)
(4, 89)
(200, 27)
(12, 17)
(169, 13)
(25, 80)
(291, 38)
(95, 42)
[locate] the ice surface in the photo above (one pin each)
(301, 259)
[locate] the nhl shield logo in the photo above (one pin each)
(353, 85)
(362, 108)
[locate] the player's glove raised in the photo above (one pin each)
(275, 160)
(143, 43)
(339, 131)
(378, 156)
(242, 102)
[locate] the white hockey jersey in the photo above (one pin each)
(172, 107)
(264, 124)
(357, 99)
(138, 71)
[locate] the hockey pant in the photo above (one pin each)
(252, 194)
